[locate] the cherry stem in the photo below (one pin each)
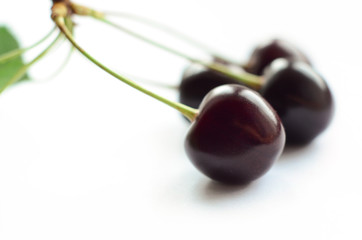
(248, 79)
(151, 82)
(22, 71)
(17, 52)
(187, 111)
(61, 67)
(172, 32)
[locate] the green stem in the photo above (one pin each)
(151, 82)
(62, 66)
(246, 78)
(149, 41)
(64, 63)
(17, 52)
(172, 32)
(22, 71)
(188, 112)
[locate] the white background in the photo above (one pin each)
(83, 156)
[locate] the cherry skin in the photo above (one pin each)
(197, 81)
(267, 52)
(236, 137)
(301, 97)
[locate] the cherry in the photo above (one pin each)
(301, 97)
(236, 136)
(265, 53)
(197, 81)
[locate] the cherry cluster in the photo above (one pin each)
(238, 134)
(295, 90)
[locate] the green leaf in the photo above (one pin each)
(9, 68)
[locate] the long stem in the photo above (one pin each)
(188, 112)
(62, 66)
(251, 80)
(149, 41)
(17, 52)
(245, 78)
(24, 69)
(170, 31)
(151, 82)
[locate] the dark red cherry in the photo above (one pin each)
(267, 52)
(301, 97)
(236, 136)
(197, 81)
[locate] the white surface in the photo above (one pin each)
(86, 157)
